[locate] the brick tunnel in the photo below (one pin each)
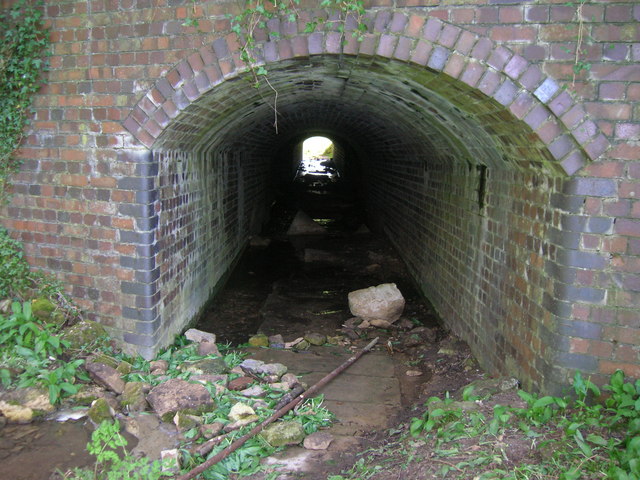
(465, 154)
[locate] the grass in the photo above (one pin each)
(590, 435)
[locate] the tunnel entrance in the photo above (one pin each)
(462, 170)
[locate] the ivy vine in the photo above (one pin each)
(24, 41)
(256, 14)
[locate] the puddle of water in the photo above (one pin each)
(35, 451)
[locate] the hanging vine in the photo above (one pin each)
(257, 13)
(22, 48)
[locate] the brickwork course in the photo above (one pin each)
(510, 188)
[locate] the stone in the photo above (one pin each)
(133, 397)
(251, 365)
(276, 341)
(315, 339)
(240, 411)
(240, 383)
(16, 413)
(318, 441)
(290, 379)
(159, 367)
(179, 395)
(208, 349)
(87, 394)
(488, 387)
(382, 302)
(210, 430)
(198, 336)
(100, 411)
(259, 340)
(207, 366)
(273, 369)
(209, 378)
(413, 373)
(303, 345)
(170, 460)
(124, 368)
(303, 224)
(106, 376)
(255, 391)
(85, 332)
(184, 421)
(293, 343)
(43, 309)
(105, 359)
(380, 323)
(284, 433)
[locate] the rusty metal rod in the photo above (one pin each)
(288, 407)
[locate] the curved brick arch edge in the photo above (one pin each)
(511, 80)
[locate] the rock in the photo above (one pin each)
(87, 394)
(290, 379)
(184, 422)
(283, 433)
(383, 302)
(5, 306)
(251, 365)
(427, 335)
(69, 414)
(124, 368)
(133, 398)
(240, 411)
(380, 323)
(413, 373)
(104, 359)
(206, 349)
(451, 346)
(211, 430)
(100, 411)
(209, 378)
(159, 367)
(293, 343)
(303, 345)
(44, 309)
(303, 224)
(276, 341)
(170, 460)
(315, 339)
(362, 230)
(207, 366)
(255, 391)
(240, 383)
(240, 415)
(273, 369)
(179, 395)
(259, 340)
(83, 333)
(318, 441)
(106, 376)
(199, 336)
(16, 413)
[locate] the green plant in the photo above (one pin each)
(15, 276)
(31, 347)
(23, 45)
(113, 462)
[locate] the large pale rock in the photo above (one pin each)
(283, 433)
(85, 332)
(384, 302)
(106, 376)
(179, 395)
(100, 411)
(199, 336)
(303, 224)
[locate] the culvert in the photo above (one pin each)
(454, 177)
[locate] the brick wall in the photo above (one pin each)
(509, 186)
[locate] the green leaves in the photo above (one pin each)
(23, 42)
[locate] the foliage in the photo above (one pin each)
(31, 347)
(579, 437)
(113, 462)
(15, 275)
(22, 46)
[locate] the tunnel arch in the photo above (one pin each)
(426, 104)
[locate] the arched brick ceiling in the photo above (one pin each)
(374, 106)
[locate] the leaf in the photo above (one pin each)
(543, 402)
(586, 449)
